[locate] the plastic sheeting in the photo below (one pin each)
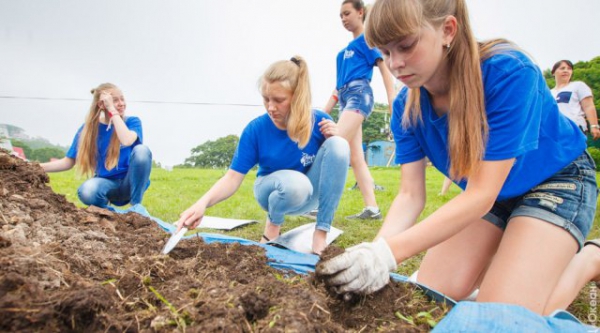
(283, 259)
(464, 316)
(502, 318)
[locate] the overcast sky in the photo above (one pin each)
(189, 69)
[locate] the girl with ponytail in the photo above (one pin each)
(484, 117)
(302, 164)
(108, 148)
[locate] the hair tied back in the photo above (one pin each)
(295, 60)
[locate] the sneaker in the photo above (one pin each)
(366, 214)
(375, 187)
(312, 214)
(378, 187)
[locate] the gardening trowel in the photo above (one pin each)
(174, 240)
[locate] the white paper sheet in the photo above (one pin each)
(221, 223)
(300, 238)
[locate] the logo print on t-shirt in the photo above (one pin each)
(307, 159)
(348, 54)
(564, 97)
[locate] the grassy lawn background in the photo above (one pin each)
(171, 192)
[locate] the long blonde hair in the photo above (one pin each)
(293, 75)
(87, 151)
(390, 20)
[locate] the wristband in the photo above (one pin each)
(595, 126)
(335, 97)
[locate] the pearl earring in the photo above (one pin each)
(448, 46)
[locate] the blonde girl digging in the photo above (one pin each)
(483, 115)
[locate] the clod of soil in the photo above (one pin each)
(382, 309)
(89, 270)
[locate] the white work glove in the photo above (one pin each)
(363, 269)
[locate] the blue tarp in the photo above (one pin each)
(502, 318)
(464, 316)
(283, 259)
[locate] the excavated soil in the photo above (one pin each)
(90, 270)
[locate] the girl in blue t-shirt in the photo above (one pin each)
(353, 91)
(108, 147)
(302, 164)
(483, 115)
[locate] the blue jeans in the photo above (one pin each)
(567, 199)
(100, 192)
(290, 192)
(357, 96)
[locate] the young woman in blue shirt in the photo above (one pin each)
(483, 115)
(302, 164)
(108, 147)
(353, 91)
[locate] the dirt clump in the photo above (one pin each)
(73, 270)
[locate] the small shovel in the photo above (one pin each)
(175, 238)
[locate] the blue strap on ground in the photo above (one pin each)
(464, 316)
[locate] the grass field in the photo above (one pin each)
(171, 192)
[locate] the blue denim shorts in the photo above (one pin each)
(567, 199)
(357, 96)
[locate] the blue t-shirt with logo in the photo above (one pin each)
(272, 149)
(524, 123)
(356, 61)
(104, 135)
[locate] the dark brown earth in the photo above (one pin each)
(74, 270)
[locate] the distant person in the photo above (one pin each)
(302, 164)
(353, 91)
(574, 98)
(480, 112)
(108, 147)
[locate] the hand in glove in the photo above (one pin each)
(364, 268)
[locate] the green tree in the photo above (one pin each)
(45, 154)
(214, 154)
(26, 149)
(376, 127)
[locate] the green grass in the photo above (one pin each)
(172, 192)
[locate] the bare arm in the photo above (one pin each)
(409, 203)
(331, 102)
(388, 82)
(587, 104)
(126, 136)
(65, 163)
(221, 190)
(467, 207)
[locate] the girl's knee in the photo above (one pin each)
(338, 145)
(87, 194)
(141, 153)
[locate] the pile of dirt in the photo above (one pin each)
(68, 269)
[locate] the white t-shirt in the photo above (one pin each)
(569, 101)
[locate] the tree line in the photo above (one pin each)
(43, 153)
